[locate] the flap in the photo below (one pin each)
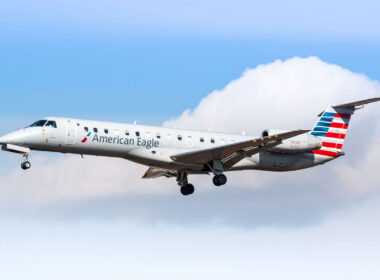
(154, 172)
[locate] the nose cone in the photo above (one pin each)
(4, 140)
(17, 138)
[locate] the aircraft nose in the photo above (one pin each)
(4, 140)
(12, 138)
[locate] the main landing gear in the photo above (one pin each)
(26, 164)
(186, 188)
(219, 180)
(217, 168)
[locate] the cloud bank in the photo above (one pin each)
(283, 94)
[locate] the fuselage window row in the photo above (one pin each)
(137, 133)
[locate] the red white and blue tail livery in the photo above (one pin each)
(332, 127)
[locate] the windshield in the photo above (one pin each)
(52, 124)
(38, 123)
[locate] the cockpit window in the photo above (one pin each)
(51, 124)
(38, 123)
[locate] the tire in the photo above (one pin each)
(215, 181)
(187, 189)
(25, 165)
(222, 179)
(190, 189)
(219, 180)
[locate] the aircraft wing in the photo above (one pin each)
(232, 153)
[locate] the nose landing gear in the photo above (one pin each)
(26, 164)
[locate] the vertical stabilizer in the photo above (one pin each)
(332, 129)
(332, 126)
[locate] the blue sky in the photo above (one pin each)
(150, 61)
(142, 55)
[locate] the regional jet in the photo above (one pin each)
(178, 153)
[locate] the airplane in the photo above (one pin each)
(170, 152)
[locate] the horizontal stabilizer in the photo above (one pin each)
(355, 104)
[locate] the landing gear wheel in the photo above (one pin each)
(219, 180)
(187, 189)
(26, 165)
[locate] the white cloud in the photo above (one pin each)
(344, 247)
(283, 94)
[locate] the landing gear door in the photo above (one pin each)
(71, 132)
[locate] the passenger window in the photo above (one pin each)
(137, 133)
(86, 128)
(179, 138)
(201, 139)
(127, 132)
(106, 131)
(212, 140)
(38, 123)
(158, 135)
(78, 124)
(52, 124)
(95, 130)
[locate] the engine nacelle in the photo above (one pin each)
(298, 144)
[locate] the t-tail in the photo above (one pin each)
(333, 125)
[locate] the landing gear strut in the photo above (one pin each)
(26, 164)
(186, 188)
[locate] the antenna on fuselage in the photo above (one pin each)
(135, 122)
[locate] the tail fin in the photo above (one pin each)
(333, 124)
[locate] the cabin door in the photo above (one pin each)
(71, 132)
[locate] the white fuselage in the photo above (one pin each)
(148, 145)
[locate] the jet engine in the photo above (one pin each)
(298, 144)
